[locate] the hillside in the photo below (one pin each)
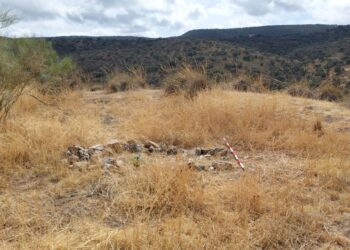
(318, 55)
(159, 56)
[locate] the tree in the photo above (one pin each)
(9, 92)
(7, 19)
(24, 61)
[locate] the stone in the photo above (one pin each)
(134, 147)
(189, 152)
(198, 151)
(108, 162)
(207, 157)
(172, 150)
(94, 149)
(78, 151)
(151, 144)
(222, 165)
(152, 147)
(209, 151)
(98, 147)
(116, 145)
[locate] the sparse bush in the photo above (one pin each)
(187, 80)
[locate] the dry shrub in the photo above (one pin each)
(300, 91)
(187, 80)
(134, 78)
(330, 93)
(250, 120)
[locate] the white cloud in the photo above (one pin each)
(165, 17)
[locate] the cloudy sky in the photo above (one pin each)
(161, 18)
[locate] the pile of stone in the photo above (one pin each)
(105, 155)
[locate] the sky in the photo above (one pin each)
(163, 18)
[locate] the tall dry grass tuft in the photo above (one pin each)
(134, 78)
(187, 80)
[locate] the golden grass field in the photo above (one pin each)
(295, 193)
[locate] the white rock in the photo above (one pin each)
(98, 147)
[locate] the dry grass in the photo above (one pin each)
(296, 197)
(253, 121)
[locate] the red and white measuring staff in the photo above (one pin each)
(234, 154)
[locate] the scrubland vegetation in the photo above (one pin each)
(313, 58)
(294, 193)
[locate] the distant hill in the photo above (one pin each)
(285, 54)
(275, 39)
(277, 31)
